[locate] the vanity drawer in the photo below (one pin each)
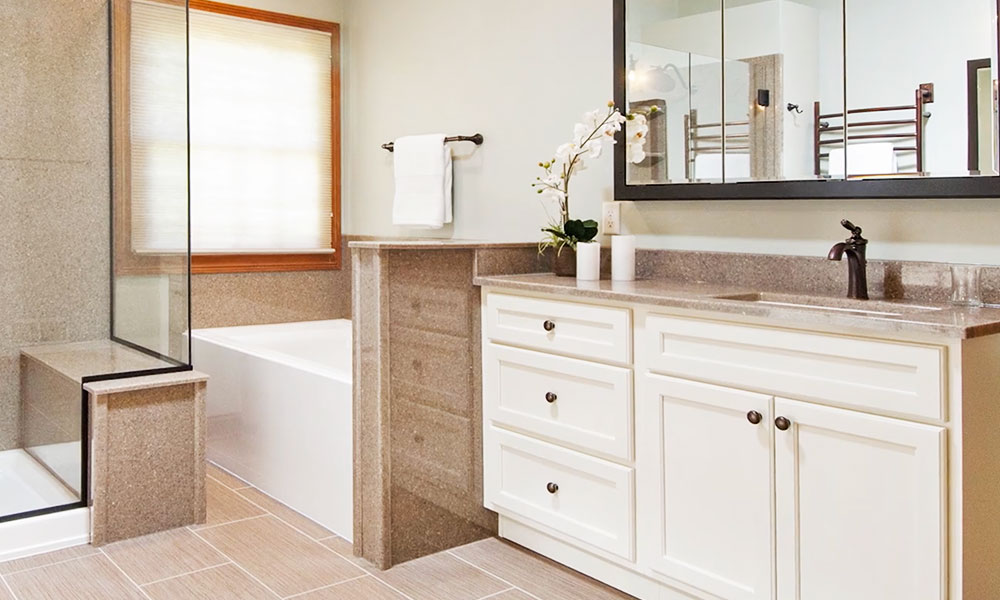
(894, 378)
(587, 331)
(579, 403)
(585, 498)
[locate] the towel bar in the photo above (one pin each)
(476, 139)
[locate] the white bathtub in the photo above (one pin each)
(279, 412)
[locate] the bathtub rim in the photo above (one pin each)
(215, 335)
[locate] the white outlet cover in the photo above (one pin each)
(611, 218)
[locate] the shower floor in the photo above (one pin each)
(26, 485)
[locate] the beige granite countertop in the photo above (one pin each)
(877, 317)
(434, 243)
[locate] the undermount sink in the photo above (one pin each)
(879, 308)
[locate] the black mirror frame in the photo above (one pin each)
(910, 187)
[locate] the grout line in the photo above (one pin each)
(326, 587)
(122, 571)
(268, 513)
(239, 566)
(495, 576)
(228, 562)
(294, 528)
(58, 562)
(495, 594)
(209, 463)
(6, 586)
(223, 483)
(389, 585)
(205, 527)
(278, 517)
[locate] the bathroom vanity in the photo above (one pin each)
(700, 441)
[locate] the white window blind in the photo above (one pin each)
(261, 170)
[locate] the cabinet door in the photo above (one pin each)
(704, 476)
(859, 506)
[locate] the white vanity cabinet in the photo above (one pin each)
(701, 458)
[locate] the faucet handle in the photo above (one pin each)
(854, 229)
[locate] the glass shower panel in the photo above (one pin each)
(150, 178)
(59, 259)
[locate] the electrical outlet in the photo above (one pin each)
(611, 218)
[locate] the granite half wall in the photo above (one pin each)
(418, 483)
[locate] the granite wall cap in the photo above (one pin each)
(131, 384)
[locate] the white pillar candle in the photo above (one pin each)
(588, 261)
(623, 257)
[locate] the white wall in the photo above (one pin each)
(520, 72)
(326, 10)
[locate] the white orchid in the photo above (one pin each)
(596, 131)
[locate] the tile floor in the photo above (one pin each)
(253, 548)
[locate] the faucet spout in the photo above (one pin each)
(837, 252)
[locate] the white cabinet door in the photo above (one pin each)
(704, 480)
(859, 506)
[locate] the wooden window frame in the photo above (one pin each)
(127, 261)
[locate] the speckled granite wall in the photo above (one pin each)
(232, 299)
(54, 173)
(417, 395)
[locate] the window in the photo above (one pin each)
(264, 137)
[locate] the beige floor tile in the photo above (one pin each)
(533, 573)
(225, 505)
(225, 478)
(296, 520)
(4, 594)
(227, 582)
(346, 549)
(46, 559)
(161, 555)
(512, 595)
(283, 559)
(366, 588)
(441, 577)
(90, 578)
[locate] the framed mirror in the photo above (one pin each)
(746, 99)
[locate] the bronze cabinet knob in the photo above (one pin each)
(548, 325)
(552, 487)
(782, 423)
(754, 417)
(550, 397)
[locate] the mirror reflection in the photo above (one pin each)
(755, 90)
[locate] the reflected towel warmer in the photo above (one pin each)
(898, 129)
(706, 138)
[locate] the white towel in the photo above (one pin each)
(709, 166)
(877, 158)
(423, 182)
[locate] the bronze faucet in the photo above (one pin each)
(854, 246)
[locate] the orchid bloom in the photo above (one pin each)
(596, 131)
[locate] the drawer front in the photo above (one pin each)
(888, 377)
(592, 504)
(596, 332)
(579, 403)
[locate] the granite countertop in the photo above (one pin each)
(877, 317)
